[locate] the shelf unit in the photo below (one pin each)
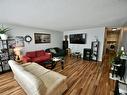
(94, 50)
(121, 85)
(6, 53)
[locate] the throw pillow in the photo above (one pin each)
(52, 50)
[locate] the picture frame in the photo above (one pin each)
(41, 38)
(78, 38)
(19, 41)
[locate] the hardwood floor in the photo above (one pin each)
(84, 78)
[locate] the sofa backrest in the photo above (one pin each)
(40, 53)
(33, 54)
(53, 50)
(57, 49)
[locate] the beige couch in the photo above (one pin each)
(37, 80)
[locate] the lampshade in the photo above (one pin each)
(17, 51)
(122, 48)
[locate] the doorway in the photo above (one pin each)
(112, 41)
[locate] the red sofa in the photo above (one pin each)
(38, 56)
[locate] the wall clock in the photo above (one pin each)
(28, 38)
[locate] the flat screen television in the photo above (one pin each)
(78, 38)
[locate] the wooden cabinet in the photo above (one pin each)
(6, 53)
(94, 50)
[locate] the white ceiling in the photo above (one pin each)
(64, 15)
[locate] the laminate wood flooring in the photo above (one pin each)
(83, 78)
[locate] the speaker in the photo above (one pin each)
(65, 45)
(87, 54)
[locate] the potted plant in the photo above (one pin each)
(120, 55)
(3, 31)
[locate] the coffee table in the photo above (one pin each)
(58, 59)
(76, 54)
(54, 61)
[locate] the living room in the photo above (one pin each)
(56, 40)
(61, 19)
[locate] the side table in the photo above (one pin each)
(76, 54)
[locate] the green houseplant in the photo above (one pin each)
(3, 31)
(120, 54)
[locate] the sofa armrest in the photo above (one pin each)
(57, 83)
(25, 59)
(48, 54)
(47, 50)
(29, 81)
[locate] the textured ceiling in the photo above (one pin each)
(64, 15)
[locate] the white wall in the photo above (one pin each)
(56, 37)
(91, 35)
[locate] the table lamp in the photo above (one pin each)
(17, 51)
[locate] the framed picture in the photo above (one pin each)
(19, 41)
(11, 43)
(41, 38)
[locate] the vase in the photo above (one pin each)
(3, 36)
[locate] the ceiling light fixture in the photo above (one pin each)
(114, 29)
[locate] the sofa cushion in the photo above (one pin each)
(40, 53)
(38, 56)
(40, 59)
(34, 67)
(31, 54)
(53, 81)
